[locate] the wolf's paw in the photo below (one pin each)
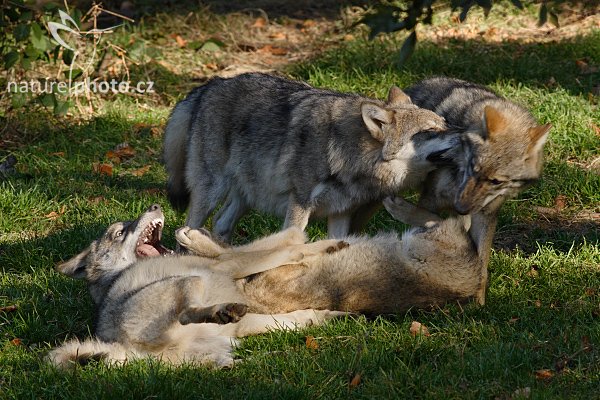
(198, 241)
(337, 247)
(230, 313)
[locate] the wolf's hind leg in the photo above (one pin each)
(224, 313)
(253, 324)
(227, 217)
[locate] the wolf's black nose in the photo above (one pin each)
(154, 207)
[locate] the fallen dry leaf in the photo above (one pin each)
(596, 129)
(8, 309)
(544, 374)
(58, 154)
(560, 202)
(140, 171)
(124, 150)
(355, 381)
(278, 36)
(102, 169)
(259, 22)
(276, 51)
(55, 214)
(16, 342)
(417, 328)
(181, 42)
(121, 152)
(311, 343)
(309, 23)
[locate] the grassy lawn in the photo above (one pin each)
(538, 336)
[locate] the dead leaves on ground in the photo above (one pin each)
(9, 309)
(418, 329)
(122, 153)
(55, 214)
(311, 343)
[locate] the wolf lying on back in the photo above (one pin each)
(191, 308)
(176, 308)
(289, 149)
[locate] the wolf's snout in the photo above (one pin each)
(462, 208)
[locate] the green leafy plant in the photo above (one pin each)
(25, 45)
(30, 47)
(387, 17)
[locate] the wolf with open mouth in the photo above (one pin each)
(178, 308)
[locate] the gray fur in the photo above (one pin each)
(286, 148)
(501, 145)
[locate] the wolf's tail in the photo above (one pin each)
(75, 353)
(175, 149)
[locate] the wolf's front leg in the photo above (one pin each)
(409, 213)
(254, 324)
(338, 225)
(224, 313)
(297, 214)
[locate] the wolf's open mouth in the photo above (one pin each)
(148, 244)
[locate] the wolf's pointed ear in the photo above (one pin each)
(76, 266)
(538, 136)
(374, 117)
(397, 97)
(493, 121)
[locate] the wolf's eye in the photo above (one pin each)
(495, 182)
(118, 233)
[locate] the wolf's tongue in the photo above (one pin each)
(146, 250)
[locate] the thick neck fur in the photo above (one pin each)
(100, 282)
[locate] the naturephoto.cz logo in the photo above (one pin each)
(72, 39)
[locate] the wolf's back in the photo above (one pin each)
(460, 102)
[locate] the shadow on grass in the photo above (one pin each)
(536, 65)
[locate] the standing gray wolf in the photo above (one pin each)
(504, 144)
(178, 308)
(500, 151)
(286, 148)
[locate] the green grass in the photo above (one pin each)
(543, 307)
